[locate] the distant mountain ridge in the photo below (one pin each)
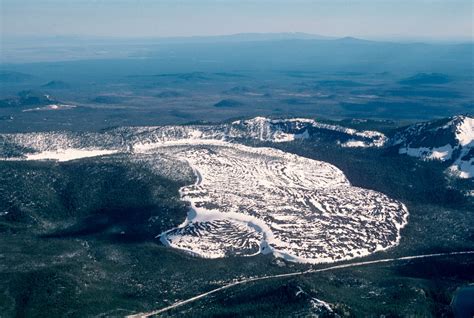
(56, 85)
(247, 37)
(288, 51)
(426, 79)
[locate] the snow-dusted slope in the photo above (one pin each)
(125, 138)
(59, 145)
(301, 128)
(450, 140)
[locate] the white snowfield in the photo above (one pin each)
(465, 131)
(463, 165)
(50, 107)
(459, 148)
(68, 154)
(249, 200)
(261, 200)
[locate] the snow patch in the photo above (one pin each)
(355, 144)
(463, 169)
(50, 107)
(68, 154)
(465, 131)
(441, 153)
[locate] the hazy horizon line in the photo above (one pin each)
(392, 37)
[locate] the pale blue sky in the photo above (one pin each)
(144, 18)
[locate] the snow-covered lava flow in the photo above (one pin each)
(248, 200)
